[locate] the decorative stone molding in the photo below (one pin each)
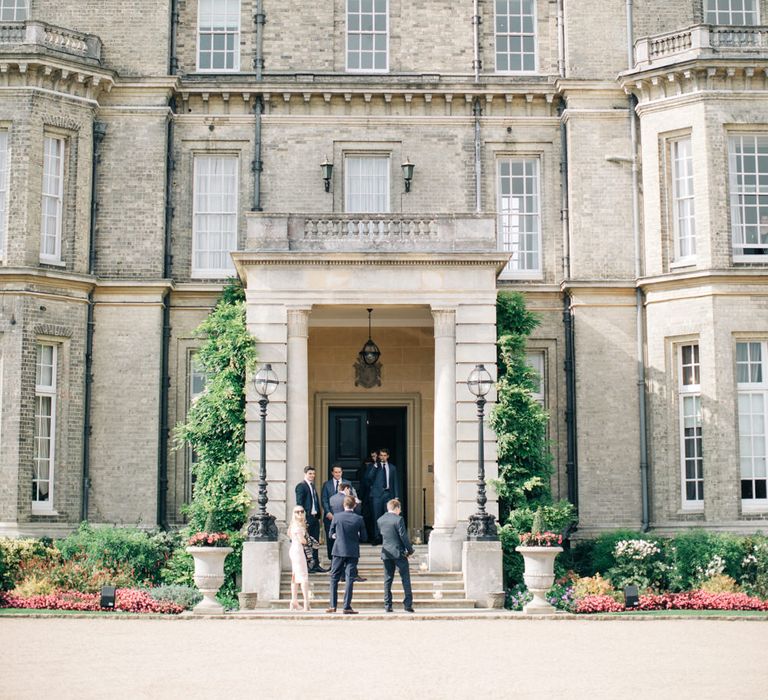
(35, 36)
(53, 330)
(445, 323)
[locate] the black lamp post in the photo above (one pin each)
(482, 525)
(261, 527)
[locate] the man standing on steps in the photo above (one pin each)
(306, 497)
(337, 506)
(395, 550)
(382, 486)
(347, 529)
(330, 488)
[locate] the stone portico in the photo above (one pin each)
(431, 281)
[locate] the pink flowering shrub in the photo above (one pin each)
(209, 539)
(541, 539)
(691, 600)
(126, 599)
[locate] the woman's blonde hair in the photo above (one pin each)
(299, 517)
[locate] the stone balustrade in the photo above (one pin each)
(371, 232)
(35, 36)
(700, 41)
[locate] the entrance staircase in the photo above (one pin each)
(431, 590)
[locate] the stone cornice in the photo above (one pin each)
(697, 78)
(68, 79)
(18, 278)
(693, 279)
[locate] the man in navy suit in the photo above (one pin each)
(382, 487)
(330, 489)
(306, 497)
(395, 550)
(347, 529)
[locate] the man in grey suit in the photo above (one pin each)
(347, 528)
(336, 504)
(395, 550)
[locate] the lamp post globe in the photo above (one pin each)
(482, 525)
(262, 527)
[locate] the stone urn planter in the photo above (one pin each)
(209, 576)
(539, 575)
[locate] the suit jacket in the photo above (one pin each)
(348, 528)
(395, 542)
(377, 482)
(304, 499)
(327, 494)
(337, 503)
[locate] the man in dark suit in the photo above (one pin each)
(395, 550)
(347, 529)
(337, 506)
(367, 513)
(306, 497)
(382, 487)
(330, 488)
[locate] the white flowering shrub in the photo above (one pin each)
(638, 562)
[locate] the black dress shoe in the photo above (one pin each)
(349, 611)
(360, 579)
(318, 570)
(409, 610)
(388, 608)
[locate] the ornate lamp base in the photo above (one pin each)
(482, 527)
(262, 527)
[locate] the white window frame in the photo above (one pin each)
(748, 200)
(14, 10)
(198, 216)
(509, 36)
(537, 360)
(356, 34)
(45, 391)
(715, 16)
(683, 202)
(384, 195)
(5, 166)
(194, 371)
(756, 388)
(689, 400)
(513, 269)
(53, 195)
(226, 32)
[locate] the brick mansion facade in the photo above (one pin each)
(609, 160)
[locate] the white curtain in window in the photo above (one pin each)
(367, 184)
(215, 217)
(219, 35)
(53, 198)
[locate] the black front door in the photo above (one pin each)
(355, 432)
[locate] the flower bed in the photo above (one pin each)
(126, 600)
(691, 600)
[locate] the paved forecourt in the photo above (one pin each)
(381, 658)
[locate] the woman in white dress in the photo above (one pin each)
(297, 531)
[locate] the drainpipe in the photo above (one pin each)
(476, 20)
(173, 59)
(256, 166)
(259, 18)
(639, 297)
(99, 130)
(571, 460)
(560, 39)
(163, 432)
(477, 111)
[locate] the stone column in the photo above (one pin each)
(297, 399)
(444, 550)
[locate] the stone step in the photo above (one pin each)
(379, 595)
(319, 604)
(379, 586)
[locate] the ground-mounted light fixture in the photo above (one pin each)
(407, 167)
(482, 525)
(262, 527)
(370, 353)
(327, 167)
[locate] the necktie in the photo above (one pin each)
(385, 467)
(314, 502)
(335, 486)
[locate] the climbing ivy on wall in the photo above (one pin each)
(215, 426)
